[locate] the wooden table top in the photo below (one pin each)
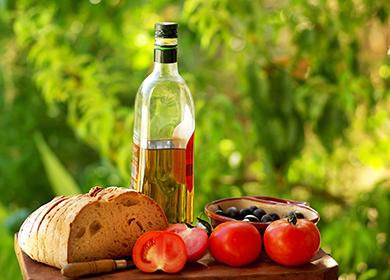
(322, 266)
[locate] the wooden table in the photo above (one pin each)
(322, 266)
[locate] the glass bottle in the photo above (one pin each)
(163, 139)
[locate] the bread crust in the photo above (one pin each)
(42, 238)
(63, 226)
(31, 225)
(54, 231)
(103, 223)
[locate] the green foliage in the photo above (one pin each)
(291, 97)
(15, 219)
(360, 235)
(60, 180)
(8, 262)
(280, 126)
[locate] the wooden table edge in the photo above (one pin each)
(330, 270)
(333, 268)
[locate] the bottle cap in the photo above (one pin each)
(165, 30)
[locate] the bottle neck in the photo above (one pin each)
(165, 54)
(166, 69)
(165, 50)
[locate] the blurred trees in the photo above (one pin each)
(292, 100)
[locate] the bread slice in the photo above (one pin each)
(39, 227)
(105, 223)
(30, 226)
(51, 225)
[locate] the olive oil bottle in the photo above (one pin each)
(163, 139)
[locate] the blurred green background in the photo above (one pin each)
(292, 100)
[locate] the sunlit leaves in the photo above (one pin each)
(354, 230)
(290, 99)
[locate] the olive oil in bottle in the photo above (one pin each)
(164, 124)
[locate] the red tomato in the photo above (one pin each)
(159, 250)
(291, 241)
(195, 239)
(235, 243)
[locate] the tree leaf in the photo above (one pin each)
(61, 181)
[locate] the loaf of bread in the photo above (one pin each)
(104, 223)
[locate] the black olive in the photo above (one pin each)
(299, 215)
(232, 212)
(251, 218)
(252, 208)
(259, 213)
(244, 212)
(267, 218)
(220, 212)
(274, 216)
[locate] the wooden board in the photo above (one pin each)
(322, 267)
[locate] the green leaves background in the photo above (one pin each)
(292, 100)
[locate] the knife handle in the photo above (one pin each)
(78, 269)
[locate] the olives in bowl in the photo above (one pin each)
(260, 211)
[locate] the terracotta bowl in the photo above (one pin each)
(269, 204)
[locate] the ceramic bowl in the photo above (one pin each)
(269, 204)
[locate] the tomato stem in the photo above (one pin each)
(206, 225)
(292, 218)
(189, 225)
